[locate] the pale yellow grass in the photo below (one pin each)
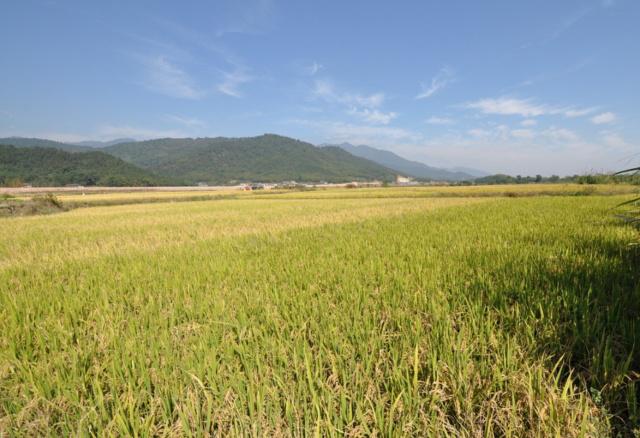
(471, 191)
(187, 193)
(143, 196)
(87, 233)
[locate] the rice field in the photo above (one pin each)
(368, 312)
(97, 196)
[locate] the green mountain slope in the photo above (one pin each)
(23, 142)
(268, 158)
(54, 167)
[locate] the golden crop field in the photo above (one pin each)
(118, 197)
(462, 311)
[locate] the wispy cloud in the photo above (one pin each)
(164, 77)
(579, 112)
(510, 106)
(529, 122)
(568, 23)
(503, 132)
(440, 121)
(365, 107)
(314, 68)
(232, 81)
(479, 133)
(603, 119)
(191, 38)
(560, 134)
(190, 122)
(249, 17)
(325, 90)
(374, 116)
(338, 132)
(444, 77)
(522, 133)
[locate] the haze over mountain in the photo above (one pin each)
(477, 173)
(407, 167)
(103, 144)
(46, 166)
(24, 142)
(267, 158)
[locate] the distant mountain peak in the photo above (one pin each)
(406, 167)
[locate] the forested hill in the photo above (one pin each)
(24, 142)
(267, 158)
(54, 167)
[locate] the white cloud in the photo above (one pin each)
(314, 68)
(579, 112)
(604, 118)
(508, 106)
(552, 135)
(338, 132)
(444, 77)
(529, 122)
(374, 116)
(326, 91)
(232, 81)
(511, 106)
(368, 134)
(560, 134)
(522, 133)
(479, 132)
(364, 107)
(440, 121)
(186, 121)
(166, 78)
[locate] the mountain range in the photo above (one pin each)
(220, 160)
(411, 168)
(267, 158)
(24, 142)
(47, 166)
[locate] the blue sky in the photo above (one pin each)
(520, 87)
